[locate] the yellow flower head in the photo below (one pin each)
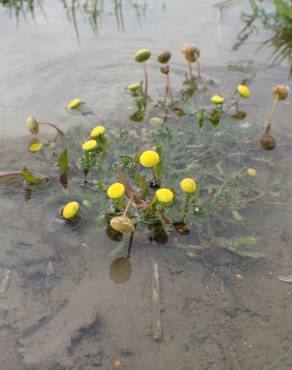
(73, 104)
(89, 145)
(164, 195)
(116, 190)
(35, 147)
(32, 125)
(97, 131)
(252, 172)
(71, 210)
(188, 185)
(243, 91)
(149, 158)
(217, 99)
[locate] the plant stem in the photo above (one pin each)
(269, 122)
(129, 204)
(186, 208)
(145, 79)
(130, 245)
(190, 71)
(199, 68)
(168, 89)
(52, 125)
(11, 174)
(154, 174)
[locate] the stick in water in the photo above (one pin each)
(156, 319)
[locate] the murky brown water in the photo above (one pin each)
(66, 302)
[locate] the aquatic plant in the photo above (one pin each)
(141, 56)
(279, 93)
(192, 55)
(204, 168)
(278, 22)
(163, 58)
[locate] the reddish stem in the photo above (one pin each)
(199, 68)
(11, 174)
(190, 71)
(52, 125)
(133, 195)
(168, 89)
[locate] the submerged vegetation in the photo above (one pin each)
(173, 169)
(278, 22)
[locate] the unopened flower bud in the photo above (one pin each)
(268, 142)
(191, 52)
(142, 55)
(164, 57)
(164, 70)
(123, 224)
(32, 125)
(280, 92)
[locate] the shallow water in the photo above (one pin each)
(62, 301)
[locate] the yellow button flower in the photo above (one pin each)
(116, 190)
(164, 195)
(149, 158)
(35, 147)
(71, 210)
(217, 99)
(243, 91)
(73, 104)
(97, 131)
(188, 185)
(252, 172)
(89, 146)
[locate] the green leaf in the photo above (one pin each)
(63, 161)
(158, 169)
(30, 178)
(141, 182)
(201, 115)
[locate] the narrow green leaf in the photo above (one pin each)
(63, 161)
(30, 178)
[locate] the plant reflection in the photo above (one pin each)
(93, 10)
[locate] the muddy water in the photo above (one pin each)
(68, 298)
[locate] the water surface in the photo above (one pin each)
(64, 305)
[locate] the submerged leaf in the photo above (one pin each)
(31, 179)
(63, 161)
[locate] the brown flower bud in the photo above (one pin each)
(123, 224)
(191, 52)
(165, 70)
(280, 92)
(163, 57)
(268, 142)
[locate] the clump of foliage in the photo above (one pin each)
(172, 168)
(278, 21)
